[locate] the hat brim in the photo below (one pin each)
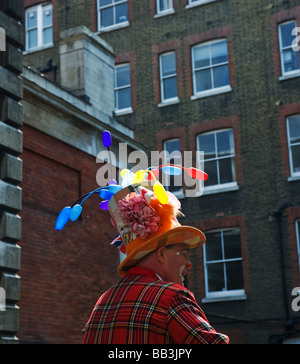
(182, 234)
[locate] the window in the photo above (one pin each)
(219, 158)
(223, 264)
(164, 6)
(290, 62)
(293, 132)
(39, 27)
(172, 155)
(298, 240)
(123, 88)
(210, 68)
(112, 13)
(168, 77)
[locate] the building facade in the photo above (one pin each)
(220, 77)
(11, 147)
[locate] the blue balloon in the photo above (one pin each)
(63, 218)
(114, 188)
(172, 171)
(105, 194)
(75, 212)
(106, 138)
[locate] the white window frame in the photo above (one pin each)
(192, 4)
(213, 90)
(292, 173)
(163, 78)
(115, 25)
(297, 223)
(226, 294)
(126, 110)
(294, 73)
(39, 13)
(220, 187)
(167, 11)
(178, 193)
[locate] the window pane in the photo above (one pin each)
(213, 247)
(47, 17)
(123, 76)
(232, 244)
(221, 76)
(201, 57)
(234, 275)
(225, 143)
(207, 145)
(124, 99)
(286, 34)
(296, 159)
(290, 60)
(105, 2)
(31, 19)
(219, 52)
(47, 36)
(164, 5)
(211, 170)
(215, 273)
(170, 88)
(172, 153)
(107, 17)
(121, 13)
(32, 39)
(168, 64)
(294, 129)
(226, 170)
(203, 80)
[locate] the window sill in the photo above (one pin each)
(212, 92)
(38, 49)
(198, 3)
(229, 187)
(127, 111)
(240, 297)
(169, 102)
(289, 76)
(294, 178)
(164, 13)
(114, 27)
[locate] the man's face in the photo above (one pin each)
(177, 263)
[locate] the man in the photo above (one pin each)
(150, 305)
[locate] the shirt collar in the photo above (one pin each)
(144, 271)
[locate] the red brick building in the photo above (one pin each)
(191, 75)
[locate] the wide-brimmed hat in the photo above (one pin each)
(145, 224)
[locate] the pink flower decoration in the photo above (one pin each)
(142, 219)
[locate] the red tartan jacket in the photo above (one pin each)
(142, 309)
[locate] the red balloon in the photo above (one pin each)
(155, 173)
(197, 174)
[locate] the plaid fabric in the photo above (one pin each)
(141, 309)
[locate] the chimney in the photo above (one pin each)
(87, 67)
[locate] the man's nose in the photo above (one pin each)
(188, 265)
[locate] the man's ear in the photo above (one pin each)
(160, 254)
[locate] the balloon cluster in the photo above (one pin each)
(128, 178)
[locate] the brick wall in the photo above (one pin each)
(63, 273)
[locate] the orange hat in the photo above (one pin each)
(145, 224)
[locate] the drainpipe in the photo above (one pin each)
(279, 215)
